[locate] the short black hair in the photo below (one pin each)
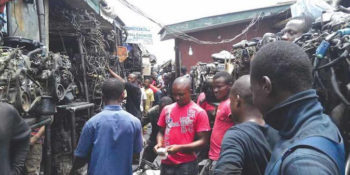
(286, 64)
(241, 87)
(135, 74)
(308, 20)
(208, 90)
(228, 78)
(183, 70)
(148, 78)
(112, 89)
(138, 76)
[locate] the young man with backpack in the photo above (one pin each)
(281, 80)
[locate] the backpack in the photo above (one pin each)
(332, 149)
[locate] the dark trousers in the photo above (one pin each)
(208, 168)
(149, 153)
(189, 168)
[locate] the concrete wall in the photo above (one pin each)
(202, 53)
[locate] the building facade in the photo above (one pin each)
(222, 27)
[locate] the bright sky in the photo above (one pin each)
(174, 11)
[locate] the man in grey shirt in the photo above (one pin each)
(14, 140)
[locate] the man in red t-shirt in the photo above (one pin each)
(180, 123)
(207, 101)
(222, 84)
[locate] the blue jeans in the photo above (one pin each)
(189, 168)
(157, 96)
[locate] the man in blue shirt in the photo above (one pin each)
(110, 138)
(281, 83)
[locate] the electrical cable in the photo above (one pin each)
(184, 36)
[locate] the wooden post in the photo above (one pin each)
(177, 58)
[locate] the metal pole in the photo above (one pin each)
(73, 135)
(46, 8)
(42, 123)
(82, 56)
(48, 149)
(41, 13)
(177, 58)
(347, 165)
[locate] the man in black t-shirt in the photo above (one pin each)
(133, 99)
(152, 117)
(246, 147)
(14, 140)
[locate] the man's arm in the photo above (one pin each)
(19, 142)
(138, 141)
(152, 112)
(21, 150)
(84, 147)
(145, 119)
(203, 138)
(160, 138)
(78, 163)
(162, 124)
(115, 75)
(35, 137)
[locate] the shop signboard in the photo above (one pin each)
(139, 35)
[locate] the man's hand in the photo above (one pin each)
(78, 163)
(157, 147)
(172, 149)
(33, 139)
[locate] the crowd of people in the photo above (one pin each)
(267, 122)
(264, 124)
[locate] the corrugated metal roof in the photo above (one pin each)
(94, 4)
(213, 22)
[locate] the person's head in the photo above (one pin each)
(138, 78)
(166, 78)
(241, 98)
(279, 70)
(182, 91)
(296, 27)
(268, 38)
(208, 90)
(112, 91)
(154, 75)
(222, 83)
(147, 82)
(132, 78)
(164, 101)
(183, 70)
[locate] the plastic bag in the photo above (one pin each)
(314, 8)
